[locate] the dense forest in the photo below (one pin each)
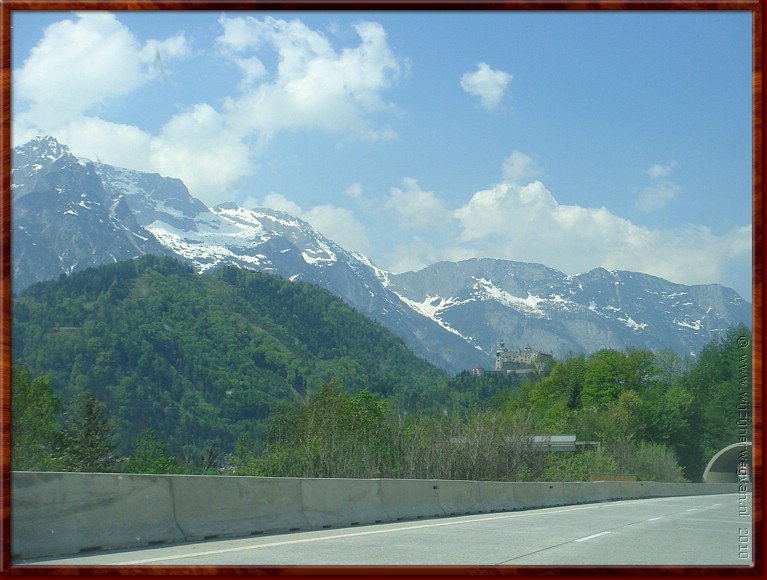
(201, 360)
(144, 366)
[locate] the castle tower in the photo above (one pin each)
(500, 355)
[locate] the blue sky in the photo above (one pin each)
(572, 139)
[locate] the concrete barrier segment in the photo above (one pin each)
(638, 489)
(554, 493)
(458, 498)
(528, 495)
(496, 496)
(66, 513)
(224, 506)
(609, 490)
(577, 492)
(330, 503)
(409, 499)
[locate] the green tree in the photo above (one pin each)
(554, 398)
(626, 418)
(653, 462)
(334, 435)
(89, 436)
(149, 455)
(720, 386)
(35, 435)
(671, 366)
(604, 379)
(665, 412)
(577, 466)
(641, 369)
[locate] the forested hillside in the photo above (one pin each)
(144, 366)
(201, 360)
(655, 416)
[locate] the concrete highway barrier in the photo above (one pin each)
(211, 506)
(55, 514)
(341, 502)
(65, 513)
(457, 498)
(527, 495)
(637, 489)
(587, 492)
(410, 499)
(497, 496)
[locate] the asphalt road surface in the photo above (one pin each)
(699, 531)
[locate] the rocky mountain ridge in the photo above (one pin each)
(489, 301)
(70, 213)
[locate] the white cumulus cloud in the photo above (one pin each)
(486, 83)
(354, 190)
(662, 190)
(291, 78)
(204, 150)
(527, 223)
(106, 142)
(518, 167)
(657, 196)
(416, 208)
(81, 65)
(313, 86)
(657, 170)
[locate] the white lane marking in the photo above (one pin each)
(591, 536)
(655, 519)
(693, 510)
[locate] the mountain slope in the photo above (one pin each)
(201, 359)
(63, 220)
(489, 301)
(69, 214)
(90, 214)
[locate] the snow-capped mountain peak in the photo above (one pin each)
(69, 214)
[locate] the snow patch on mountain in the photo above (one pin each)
(379, 273)
(632, 324)
(318, 256)
(205, 251)
(694, 325)
(486, 290)
(431, 307)
(124, 180)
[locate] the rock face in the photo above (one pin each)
(69, 214)
(488, 301)
(63, 219)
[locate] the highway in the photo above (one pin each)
(705, 530)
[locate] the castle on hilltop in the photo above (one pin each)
(507, 360)
(520, 362)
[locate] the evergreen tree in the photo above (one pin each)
(35, 437)
(89, 436)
